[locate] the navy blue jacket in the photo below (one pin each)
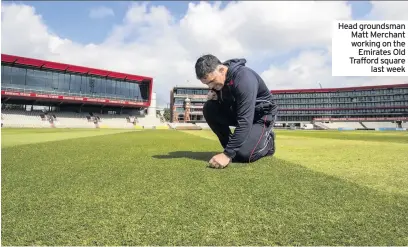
(243, 92)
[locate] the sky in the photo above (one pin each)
(287, 43)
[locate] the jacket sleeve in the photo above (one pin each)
(246, 88)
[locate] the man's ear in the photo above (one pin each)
(221, 70)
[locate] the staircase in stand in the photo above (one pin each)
(320, 126)
(365, 127)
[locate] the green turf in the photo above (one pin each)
(13, 137)
(153, 188)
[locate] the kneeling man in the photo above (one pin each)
(241, 99)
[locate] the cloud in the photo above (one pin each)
(101, 12)
(389, 10)
(252, 29)
(151, 41)
(312, 67)
(23, 32)
(303, 71)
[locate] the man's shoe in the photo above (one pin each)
(272, 147)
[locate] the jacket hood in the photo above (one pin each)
(233, 65)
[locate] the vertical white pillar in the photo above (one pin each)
(151, 111)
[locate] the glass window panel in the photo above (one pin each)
(5, 75)
(96, 89)
(68, 81)
(108, 87)
(122, 89)
(114, 84)
(34, 79)
(102, 86)
(138, 95)
(54, 82)
(116, 88)
(63, 84)
(99, 88)
(46, 78)
(127, 89)
(85, 85)
(91, 85)
(18, 77)
(75, 85)
(132, 90)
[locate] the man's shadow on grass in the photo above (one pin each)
(202, 156)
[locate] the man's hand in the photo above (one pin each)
(212, 95)
(219, 161)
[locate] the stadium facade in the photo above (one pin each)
(38, 93)
(33, 81)
(378, 103)
(123, 100)
(300, 106)
(186, 104)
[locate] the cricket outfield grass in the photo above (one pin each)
(153, 187)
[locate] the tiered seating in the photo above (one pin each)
(39, 119)
(321, 126)
(115, 121)
(150, 122)
(377, 125)
(203, 125)
(23, 119)
(344, 125)
(369, 125)
(72, 120)
(184, 126)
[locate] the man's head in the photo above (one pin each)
(211, 72)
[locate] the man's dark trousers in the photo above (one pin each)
(260, 141)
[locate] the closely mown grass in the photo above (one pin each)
(154, 188)
(13, 137)
(362, 135)
(376, 160)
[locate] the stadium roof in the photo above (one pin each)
(340, 89)
(317, 90)
(40, 64)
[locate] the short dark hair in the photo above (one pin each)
(205, 65)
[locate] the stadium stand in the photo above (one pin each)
(377, 125)
(325, 108)
(23, 119)
(203, 125)
(320, 126)
(74, 96)
(72, 120)
(150, 122)
(40, 119)
(364, 126)
(361, 125)
(115, 121)
(343, 125)
(78, 97)
(184, 126)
